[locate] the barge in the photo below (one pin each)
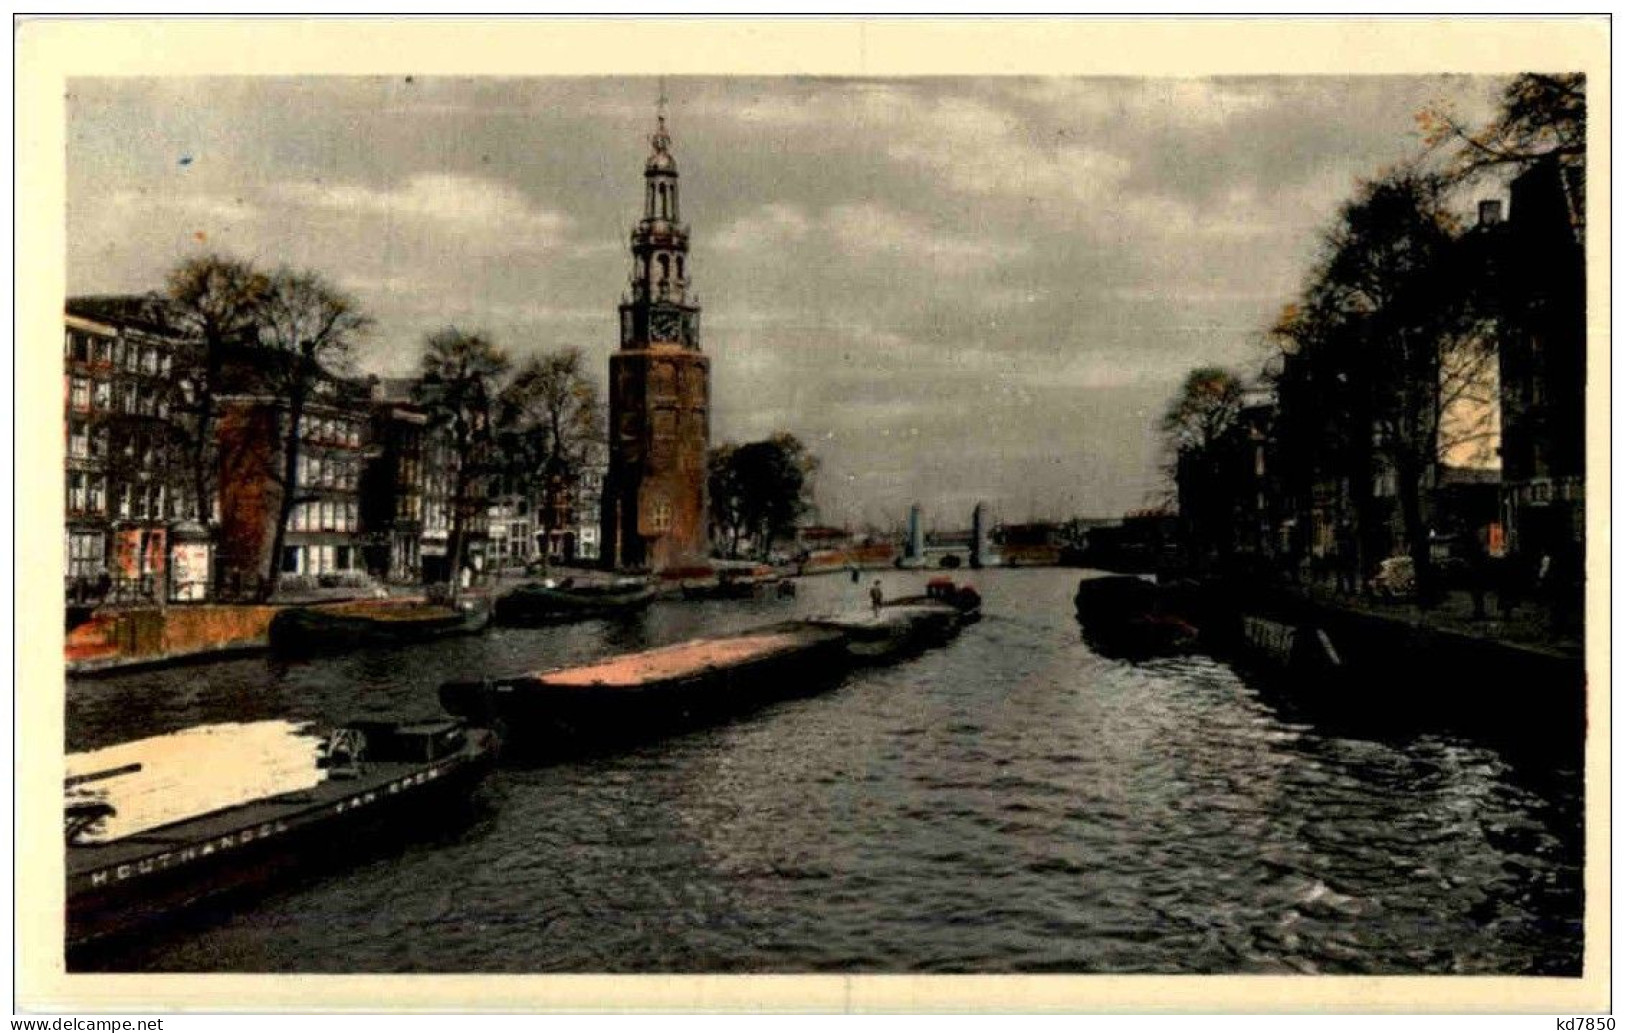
(908, 625)
(381, 777)
(1127, 617)
(654, 689)
(304, 629)
(547, 603)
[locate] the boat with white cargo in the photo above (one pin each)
(162, 825)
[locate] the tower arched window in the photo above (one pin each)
(665, 270)
(679, 268)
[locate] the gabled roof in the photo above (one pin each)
(149, 312)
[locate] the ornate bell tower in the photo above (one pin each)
(659, 391)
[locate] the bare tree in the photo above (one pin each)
(215, 302)
(1195, 426)
(309, 326)
(1542, 118)
(461, 371)
(549, 417)
(1395, 328)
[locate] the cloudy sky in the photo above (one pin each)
(953, 289)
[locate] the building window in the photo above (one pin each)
(290, 559)
(79, 394)
(86, 554)
(660, 516)
(97, 499)
(76, 492)
(99, 439)
(103, 394)
(78, 438)
(124, 501)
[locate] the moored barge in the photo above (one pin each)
(383, 778)
(654, 689)
(547, 603)
(374, 622)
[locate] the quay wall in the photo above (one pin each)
(123, 638)
(836, 560)
(1355, 660)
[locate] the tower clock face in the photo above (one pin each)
(664, 324)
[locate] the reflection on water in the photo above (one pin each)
(1012, 802)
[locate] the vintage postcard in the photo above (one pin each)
(857, 515)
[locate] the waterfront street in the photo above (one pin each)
(1011, 802)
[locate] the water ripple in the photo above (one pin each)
(1011, 803)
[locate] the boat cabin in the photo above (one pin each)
(408, 741)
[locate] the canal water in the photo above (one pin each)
(1010, 803)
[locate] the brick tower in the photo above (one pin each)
(659, 392)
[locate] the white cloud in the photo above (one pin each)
(469, 206)
(868, 231)
(768, 226)
(976, 148)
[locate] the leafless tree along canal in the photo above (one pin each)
(1012, 802)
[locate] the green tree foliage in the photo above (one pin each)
(460, 384)
(310, 326)
(759, 490)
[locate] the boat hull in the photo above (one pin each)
(119, 888)
(312, 629)
(534, 606)
(897, 631)
(530, 710)
(1131, 618)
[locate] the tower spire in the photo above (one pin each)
(661, 139)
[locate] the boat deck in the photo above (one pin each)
(374, 777)
(685, 658)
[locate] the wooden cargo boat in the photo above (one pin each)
(895, 631)
(543, 603)
(1127, 617)
(386, 778)
(655, 689)
(373, 622)
(752, 583)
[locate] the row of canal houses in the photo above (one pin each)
(374, 478)
(1520, 490)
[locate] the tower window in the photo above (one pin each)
(659, 516)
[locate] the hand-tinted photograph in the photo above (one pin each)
(790, 524)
